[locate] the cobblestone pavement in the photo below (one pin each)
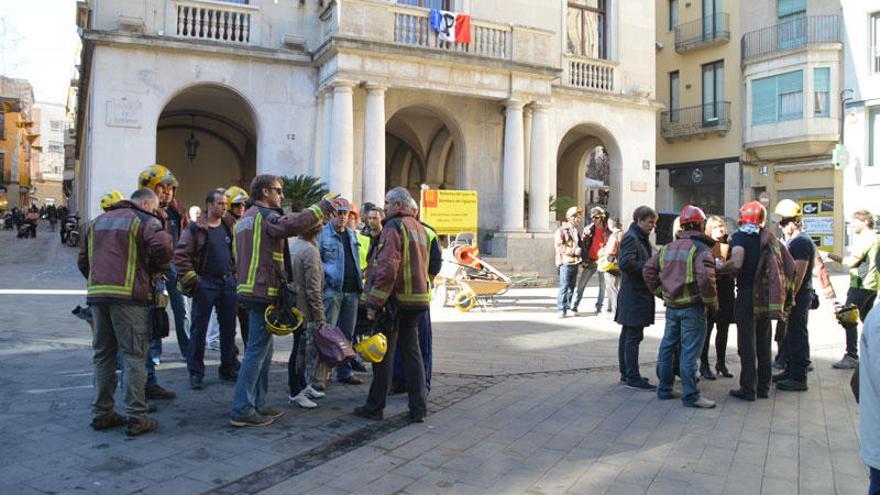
(522, 403)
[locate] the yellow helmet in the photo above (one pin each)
(373, 348)
(282, 324)
(236, 195)
(848, 314)
(111, 197)
(788, 209)
(154, 175)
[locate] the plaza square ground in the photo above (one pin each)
(522, 402)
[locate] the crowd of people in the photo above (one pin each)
(231, 262)
(709, 278)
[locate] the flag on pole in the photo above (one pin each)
(451, 27)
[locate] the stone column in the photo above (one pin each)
(539, 180)
(513, 168)
(341, 173)
(326, 122)
(527, 141)
(317, 154)
(374, 145)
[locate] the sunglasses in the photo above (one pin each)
(278, 190)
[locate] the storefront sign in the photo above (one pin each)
(819, 221)
(450, 212)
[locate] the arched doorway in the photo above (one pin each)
(207, 136)
(421, 147)
(584, 164)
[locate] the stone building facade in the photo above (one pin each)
(365, 95)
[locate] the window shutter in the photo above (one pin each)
(791, 81)
(764, 100)
(822, 79)
(788, 7)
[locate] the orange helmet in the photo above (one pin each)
(752, 213)
(692, 214)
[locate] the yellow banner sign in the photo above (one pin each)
(449, 212)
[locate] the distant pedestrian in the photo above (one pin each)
(120, 304)
(635, 302)
(683, 274)
(568, 258)
(592, 241)
(609, 265)
(397, 283)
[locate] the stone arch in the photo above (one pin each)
(580, 146)
(424, 145)
(226, 127)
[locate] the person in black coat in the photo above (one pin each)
(635, 304)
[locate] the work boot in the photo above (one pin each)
(780, 377)
(365, 413)
(108, 420)
(138, 426)
(252, 420)
(157, 392)
(196, 382)
(270, 412)
(742, 394)
(792, 385)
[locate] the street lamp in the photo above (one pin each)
(192, 144)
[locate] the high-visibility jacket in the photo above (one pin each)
(262, 259)
(683, 272)
(399, 266)
(363, 249)
(124, 249)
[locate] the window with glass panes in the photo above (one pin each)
(821, 88)
(673, 14)
(778, 98)
(586, 28)
(792, 15)
(875, 42)
(874, 137)
(428, 4)
(713, 91)
(674, 101)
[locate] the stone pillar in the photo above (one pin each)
(374, 145)
(733, 188)
(341, 173)
(317, 154)
(527, 141)
(664, 199)
(539, 180)
(326, 122)
(513, 168)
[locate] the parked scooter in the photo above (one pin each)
(70, 230)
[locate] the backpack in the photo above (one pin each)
(333, 347)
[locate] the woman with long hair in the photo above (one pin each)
(716, 228)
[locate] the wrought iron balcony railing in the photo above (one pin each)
(791, 35)
(703, 32)
(700, 119)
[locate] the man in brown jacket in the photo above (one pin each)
(397, 282)
(262, 264)
(134, 250)
(683, 275)
(206, 264)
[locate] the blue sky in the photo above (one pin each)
(40, 44)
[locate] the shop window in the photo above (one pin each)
(821, 96)
(586, 28)
(778, 98)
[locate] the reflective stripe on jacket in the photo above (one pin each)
(773, 289)
(190, 250)
(399, 267)
(262, 260)
(683, 272)
(124, 249)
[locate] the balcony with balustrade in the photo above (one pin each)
(707, 31)
(589, 74)
(803, 32)
(699, 120)
(215, 21)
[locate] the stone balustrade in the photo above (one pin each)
(586, 73)
(412, 27)
(215, 21)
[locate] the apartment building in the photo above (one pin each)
(19, 142)
(698, 79)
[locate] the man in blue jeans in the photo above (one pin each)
(568, 259)
(683, 275)
(262, 264)
(343, 280)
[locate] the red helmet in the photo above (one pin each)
(691, 214)
(752, 213)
